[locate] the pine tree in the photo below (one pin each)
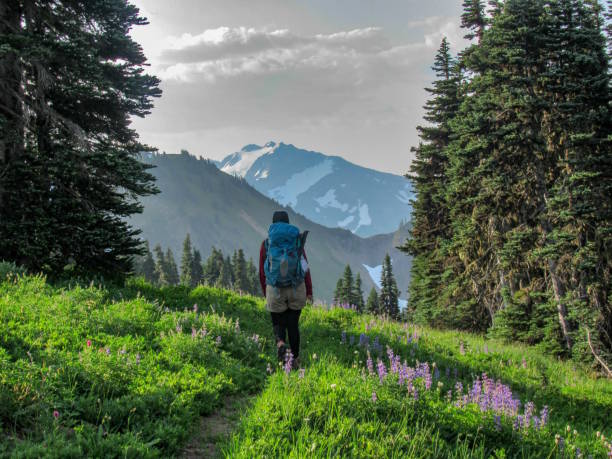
(253, 278)
(225, 275)
(160, 266)
(372, 305)
(431, 229)
(187, 276)
(389, 293)
(213, 267)
(473, 19)
(171, 270)
(241, 282)
(338, 292)
(358, 294)
(196, 268)
(147, 267)
(348, 286)
(72, 78)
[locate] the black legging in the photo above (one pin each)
(287, 323)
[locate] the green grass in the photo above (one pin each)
(139, 389)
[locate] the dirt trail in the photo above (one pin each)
(216, 427)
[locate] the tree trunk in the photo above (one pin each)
(561, 309)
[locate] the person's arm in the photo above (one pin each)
(308, 281)
(262, 273)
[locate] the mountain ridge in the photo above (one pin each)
(327, 189)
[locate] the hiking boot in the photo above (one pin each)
(281, 352)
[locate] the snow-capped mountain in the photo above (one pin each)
(326, 189)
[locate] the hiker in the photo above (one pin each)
(285, 281)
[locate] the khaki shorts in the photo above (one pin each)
(278, 299)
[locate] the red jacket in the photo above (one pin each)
(262, 275)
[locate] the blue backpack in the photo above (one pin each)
(284, 248)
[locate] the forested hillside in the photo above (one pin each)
(512, 225)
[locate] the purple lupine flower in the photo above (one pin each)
(370, 364)
(108, 351)
(374, 397)
(436, 374)
(218, 341)
(343, 337)
(363, 340)
(203, 331)
(544, 416)
(288, 362)
(352, 340)
(55, 414)
(382, 370)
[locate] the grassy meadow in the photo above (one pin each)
(87, 371)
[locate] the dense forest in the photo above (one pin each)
(512, 224)
(235, 273)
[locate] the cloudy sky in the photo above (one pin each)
(344, 77)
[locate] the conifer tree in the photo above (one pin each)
(147, 267)
(171, 270)
(338, 292)
(358, 294)
(196, 269)
(431, 223)
(187, 276)
(253, 278)
(225, 275)
(72, 78)
(389, 293)
(213, 267)
(372, 305)
(241, 282)
(160, 266)
(348, 286)
(473, 19)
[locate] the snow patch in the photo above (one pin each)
(364, 217)
(288, 193)
(329, 200)
(346, 221)
(243, 160)
(375, 273)
(261, 174)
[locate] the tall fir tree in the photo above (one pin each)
(348, 286)
(389, 294)
(338, 292)
(358, 294)
(187, 276)
(72, 78)
(430, 229)
(147, 267)
(197, 270)
(241, 281)
(213, 267)
(160, 266)
(253, 278)
(171, 270)
(373, 305)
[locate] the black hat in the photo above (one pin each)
(280, 216)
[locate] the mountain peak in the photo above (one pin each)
(251, 147)
(270, 144)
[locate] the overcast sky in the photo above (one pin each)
(343, 77)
